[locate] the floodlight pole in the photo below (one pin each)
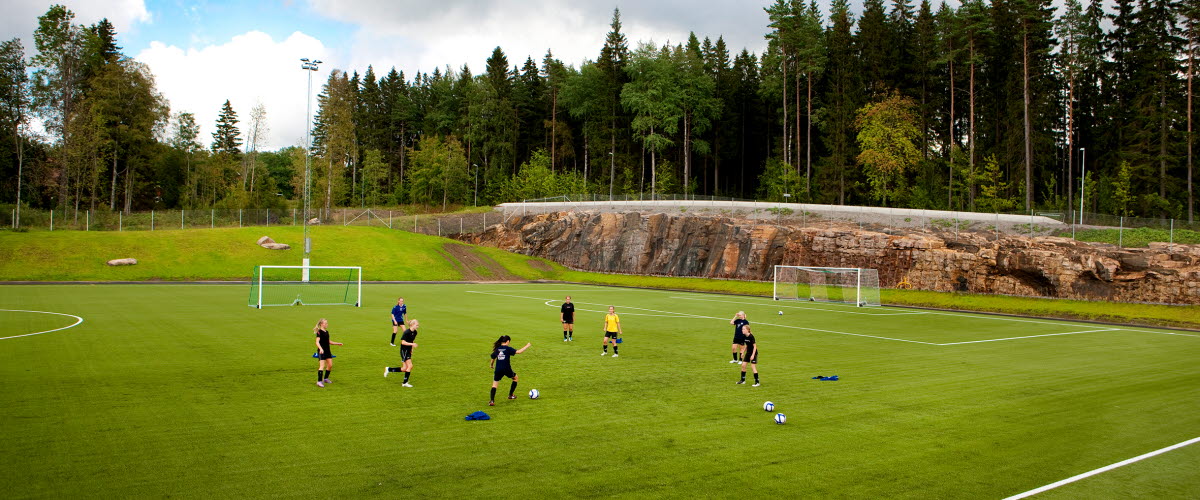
(1082, 182)
(310, 67)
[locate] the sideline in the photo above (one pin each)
(78, 320)
(1106, 468)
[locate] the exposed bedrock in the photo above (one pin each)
(717, 247)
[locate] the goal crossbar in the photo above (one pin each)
(306, 285)
(853, 285)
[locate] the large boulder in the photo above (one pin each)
(123, 262)
(269, 244)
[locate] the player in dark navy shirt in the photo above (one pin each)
(398, 312)
(407, 344)
(739, 320)
(324, 355)
(502, 354)
(566, 314)
(751, 355)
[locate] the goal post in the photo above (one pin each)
(850, 285)
(306, 285)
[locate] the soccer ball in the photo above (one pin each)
(780, 418)
(768, 406)
(781, 313)
(533, 394)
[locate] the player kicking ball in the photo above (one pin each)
(750, 357)
(502, 354)
(407, 344)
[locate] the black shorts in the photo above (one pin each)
(610, 335)
(568, 320)
(326, 355)
(405, 353)
(739, 338)
(753, 360)
(501, 374)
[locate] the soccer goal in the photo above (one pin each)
(828, 284)
(288, 286)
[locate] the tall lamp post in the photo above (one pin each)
(1082, 182)
(310, 67)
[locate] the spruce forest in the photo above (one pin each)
(984, 106)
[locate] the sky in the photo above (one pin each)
(206, 51)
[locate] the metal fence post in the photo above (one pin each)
(239, 217)
(212, 219)
(1121, 233)
(414, 223)
(460, 225)
(293, 217)
(1172, 232)
(439, 227)
(87, 221)
(268, 217)
(120, 221)
(181, 211)
(152, 220)
(51, 219)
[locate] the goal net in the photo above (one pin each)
(828, 284)
(288, 286)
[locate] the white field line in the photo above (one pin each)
(697, 316)
(830, 309)
(1158, 332)
(669, 315)
(1031, 336)
(78, 320)
(1106, 468)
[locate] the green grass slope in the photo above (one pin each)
(231, 254)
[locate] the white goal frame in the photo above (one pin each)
(258, 281)
(861, 299)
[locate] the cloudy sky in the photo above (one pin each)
(203, 52)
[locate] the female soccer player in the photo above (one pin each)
(325, 356)
(398, 312)
(750, 357)
(566, 315)
(738, 321)
(612, 330)
(502, 354)
(407, 345)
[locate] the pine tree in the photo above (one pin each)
(227, 138)
(842, 95)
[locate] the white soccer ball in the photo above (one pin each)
(533, 394)
(780, 418)
(768, 406)
(781, 313)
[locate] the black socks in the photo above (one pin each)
(756, 378)
(606, 347)
(564, 334)
(743, 376)
(393, 338)
(512, 389)
(406, 374)
(493, 394)
(327, 372)
(320, 375)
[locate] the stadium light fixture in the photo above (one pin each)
(309, 68)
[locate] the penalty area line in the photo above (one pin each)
(78, 320)
(1031, 336)
(1106, 468)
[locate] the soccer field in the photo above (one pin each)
(178, 390)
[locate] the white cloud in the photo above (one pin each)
(20, 18)
(404, 34)
(247, 69)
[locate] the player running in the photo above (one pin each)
(407, 345)
(750, 357)
(612, 330)
(739, 320)
(398, 312)
(502, 354)
(324, 355)
(566, 315)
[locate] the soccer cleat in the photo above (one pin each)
(320, 384)
(615, 355)
(756, 384)
(564, 340)
(740, 382)
(512, 397)
(327, 381)
(391, 344)
(604, 353)
(406, 384)
(733, 361)
(386, 371)
(570, 339)
(491, 403)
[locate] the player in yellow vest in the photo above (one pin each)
(612, 330)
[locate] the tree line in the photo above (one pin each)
(992, 106)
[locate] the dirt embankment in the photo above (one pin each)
(475, 266)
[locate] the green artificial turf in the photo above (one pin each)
(183, 391)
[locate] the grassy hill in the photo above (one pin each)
(388, 255)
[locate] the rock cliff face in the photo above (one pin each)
(931, 260)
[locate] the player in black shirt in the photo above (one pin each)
(502, 354)
(324, 355)
(407, 344)
(750, 357)
(566, 314)
(739, 320)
